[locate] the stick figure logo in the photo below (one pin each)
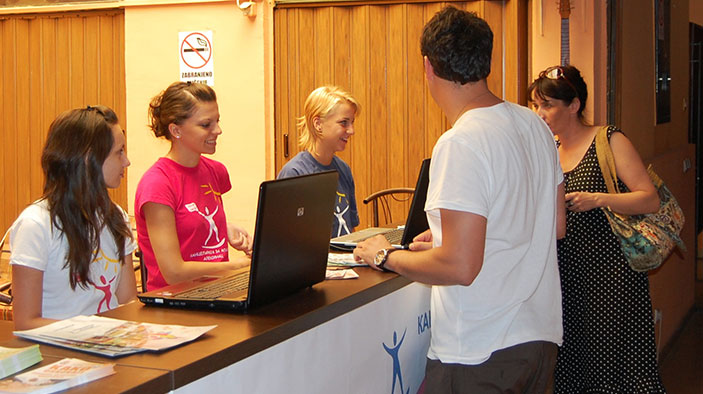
(208, 216)
(104, 286)
(393, 352)
(340, 208)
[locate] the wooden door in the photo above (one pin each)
(52, 63)
(372, 50)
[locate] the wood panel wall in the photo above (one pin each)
(51, 63)
(373, 51)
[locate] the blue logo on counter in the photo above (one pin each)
(393, 352)
(424, 322)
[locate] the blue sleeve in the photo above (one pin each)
(287, 172)
(352, 203)
(295, 167)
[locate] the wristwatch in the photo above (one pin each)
(381, 258)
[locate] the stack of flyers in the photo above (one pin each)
(112, 337)
(343, 260)
(13, 360)
(58, 376)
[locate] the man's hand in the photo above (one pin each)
(366, 250)
(422, 242)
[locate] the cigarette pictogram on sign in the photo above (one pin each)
(195, 56)
(196, 50)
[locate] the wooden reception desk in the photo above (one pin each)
(222, 355)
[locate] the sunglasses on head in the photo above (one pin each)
(557, 73)
(96, 109)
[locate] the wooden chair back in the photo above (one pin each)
(384, 198)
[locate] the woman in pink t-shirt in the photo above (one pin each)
(181, 225)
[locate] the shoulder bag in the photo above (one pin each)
(645, 240)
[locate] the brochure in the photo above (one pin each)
(347, 273)
(57, 376)
(13, 360)
(343, 260)
(112, 337)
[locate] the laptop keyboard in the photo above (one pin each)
(218, 289)
(394, 236)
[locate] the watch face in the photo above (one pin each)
(380, 257)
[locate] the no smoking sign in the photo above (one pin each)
(195, 52)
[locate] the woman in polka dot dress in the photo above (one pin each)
(608, 328)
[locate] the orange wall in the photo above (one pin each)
(240, 76)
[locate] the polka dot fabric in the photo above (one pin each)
(608, 328)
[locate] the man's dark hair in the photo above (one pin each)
(458, 44)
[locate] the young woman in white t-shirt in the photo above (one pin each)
(71, 249)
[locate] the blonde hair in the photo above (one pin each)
(319, 104)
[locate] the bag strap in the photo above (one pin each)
(606, 160)
(656, 180)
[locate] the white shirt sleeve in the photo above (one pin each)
(29, 237)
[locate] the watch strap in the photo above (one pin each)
(385, 259)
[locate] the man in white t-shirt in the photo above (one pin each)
(495, 206)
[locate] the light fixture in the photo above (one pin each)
(248, 8)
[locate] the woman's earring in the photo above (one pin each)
(173, 130)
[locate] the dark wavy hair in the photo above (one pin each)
(80, 207)
(176, 104)
(458, 44)
(565, 84)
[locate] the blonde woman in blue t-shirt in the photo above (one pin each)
(324, 130)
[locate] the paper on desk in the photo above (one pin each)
(55, 377)
(343, 260)
(341, 274)
(112, 337)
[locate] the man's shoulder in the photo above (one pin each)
(524, 113)
(505, 115)
(505, 111)
(492, 127)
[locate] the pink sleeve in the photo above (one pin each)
(155, 186)
(222, 177)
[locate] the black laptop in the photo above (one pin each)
(415, 223)
(291, 243)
